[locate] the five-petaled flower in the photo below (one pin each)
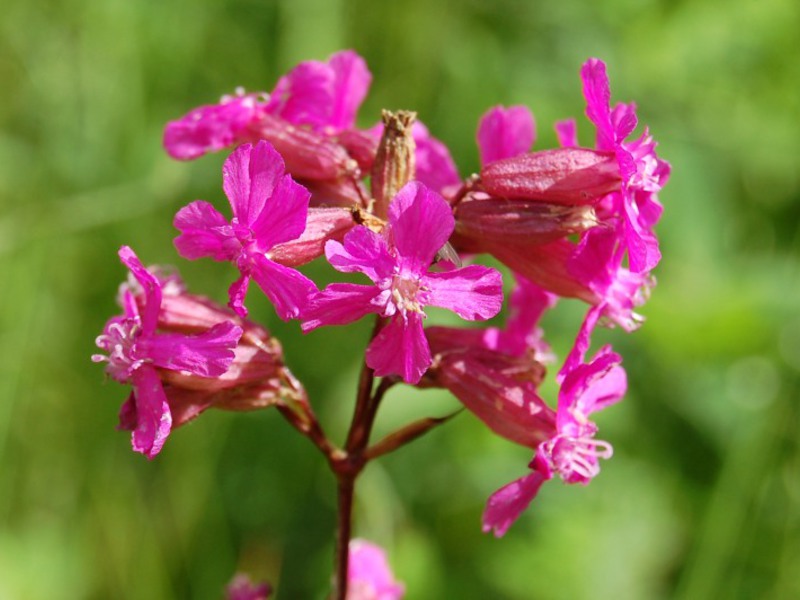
(570, 450)
(137, 351)
(397, 261)
(269, 208)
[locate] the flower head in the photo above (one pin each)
(397, 261)
(570, 450)
(137, 352)
(635, 207)
(269, 208)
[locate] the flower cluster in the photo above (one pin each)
(387, 202)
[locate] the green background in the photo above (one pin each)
(701, 499)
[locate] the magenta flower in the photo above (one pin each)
(368, 574)
(212, 127)
(571, 450)
(322, 95)
(505, 132)
(397, 261)
(644, 174)
(269, 208)
(136, 352)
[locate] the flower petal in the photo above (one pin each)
(283, 215)
(351, 83)
(567, 133)
(597, 92)
(421, 223)
(209, 128)
(505, 132)
(400, 349)
(153, 419)
(150, 285)
(339, 304)
(236, 294)
(474, 292)
(204, 232)
(363, 251)
(288, 289)
(434, 165)
(249, 177)
(208, 354)
(506, 504)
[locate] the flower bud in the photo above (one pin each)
(361, 145)
(509, 407)
(323, 224)
(307, 154)
(394, 162)
(560, 176)
(519, 221)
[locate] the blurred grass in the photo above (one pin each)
(702, 498)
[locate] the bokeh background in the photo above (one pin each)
(702, 497)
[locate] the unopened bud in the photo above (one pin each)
(519, 221)
(361, 146)
(510, 408)
(307, 154)
(394, 162)
(322, 224)
(560, 176)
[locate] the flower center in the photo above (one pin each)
(404, 294)
(575, 458)
(119, 341)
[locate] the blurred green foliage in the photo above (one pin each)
(702, 498)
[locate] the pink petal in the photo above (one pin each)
(204, 232)
(363, 251)
(249, 177)
(153, 419)
(400, 349)
(351, 83)
(207, 354)
(150, 285)
(339, 304)
(209, 128)
(587, 388)
(435, 166)
(283, 215)
(236, 294)
(305, 95)
(505, 132)
(506, 504)
(567, 133)
(288, 289)
(474, 292)
(421, 223)
(598, 97)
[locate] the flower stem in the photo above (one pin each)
(343, 534)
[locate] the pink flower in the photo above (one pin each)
(269, 208)
(368, 574)
(505, 132)
(570, 450)
(212, 127)
(322, 95)
(397, 261)
(308, 109)
(636, 205)
(136, 352)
